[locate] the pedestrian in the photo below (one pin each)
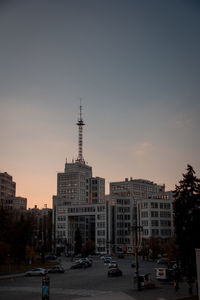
(176, 285)
(190, 284)
(176, 279)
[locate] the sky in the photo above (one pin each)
(136, 66)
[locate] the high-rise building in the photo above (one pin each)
(79, 203)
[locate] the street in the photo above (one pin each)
(90, 283)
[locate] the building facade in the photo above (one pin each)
(8, 200)
(142, 204)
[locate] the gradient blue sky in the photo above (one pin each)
(136, 65)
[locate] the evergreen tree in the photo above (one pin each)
(187, 219)
(78, 242)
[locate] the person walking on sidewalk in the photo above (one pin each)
(176, 279)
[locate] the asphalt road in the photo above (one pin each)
(87, 283)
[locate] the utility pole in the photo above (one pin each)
(138, 241)
(137, 230)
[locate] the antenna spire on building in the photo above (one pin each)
(80, 124)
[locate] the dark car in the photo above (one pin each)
(162, 261)
(115, 272)
(56, 269)
(52, 258)
(107, 261)
(79, 265)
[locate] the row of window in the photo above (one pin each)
(101, 232)
(60, 233)
(123, 217)
(155, 232)
(100, 224)
(155, 214)
(61, 218)
(123, 209)
(145, 205)
(61, 225)
(81, 209)
(123, 241)
(123, 224)
(122, 232)
(165, 223)
(123, 201)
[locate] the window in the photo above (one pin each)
(100, 217)
(166, 232)
(144, 222)
(165, 223)
(100, 232)
(145, 232)
(144, 205)
(100, 224)
(154, 223)
(165, 214)
(154, 214)
(155, 232)
(165, 205)
(144, 214)
(154, 205)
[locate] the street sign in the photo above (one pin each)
(130, 249)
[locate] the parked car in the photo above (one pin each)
(56, 269)
(52, 258)
(36, 272)
(79, 265)
(106, 258)
(90, 261)
(145, 281)
(102, 257)
(113, 264)
(162, 261)
(85, 260)
(107, 261)
(114, 272)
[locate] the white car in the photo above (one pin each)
(36, 272)
(113, 264)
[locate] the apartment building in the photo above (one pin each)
(155, 214)
(141, 203)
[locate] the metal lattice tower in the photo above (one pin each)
(80, 124)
